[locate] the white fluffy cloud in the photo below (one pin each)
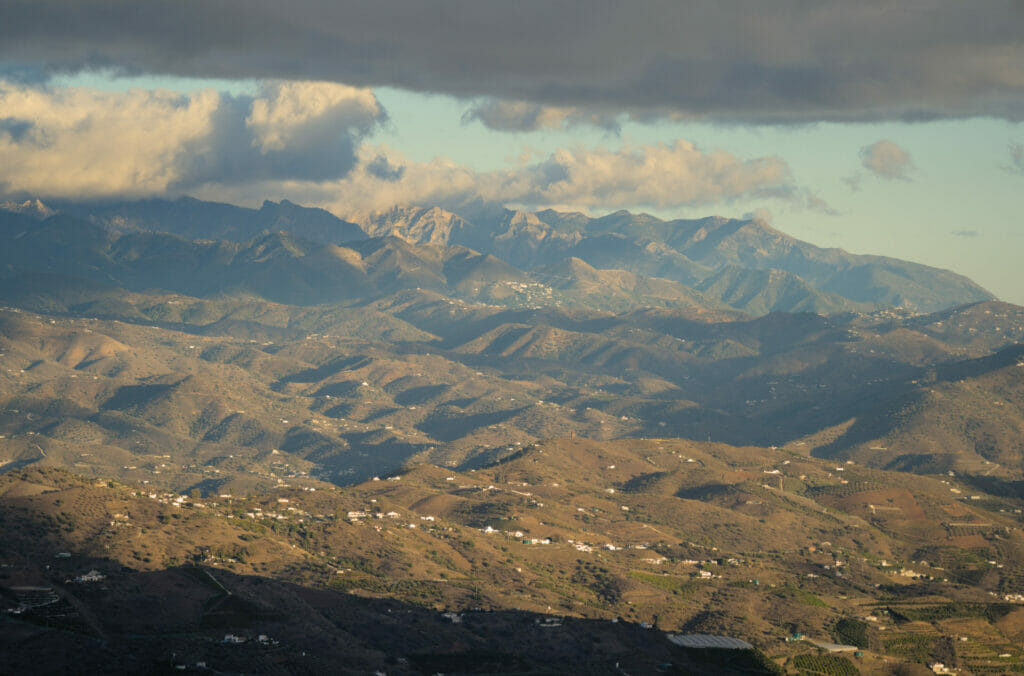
(82, 143)
(659, 176)
(887, 160)
(300, 115)
(77, 142)
(304, 141)
(662, 175)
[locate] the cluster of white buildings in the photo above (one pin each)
(262, 639)
(92, 576)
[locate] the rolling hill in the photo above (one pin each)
(566, 430)
(612, 537)
(352, 390)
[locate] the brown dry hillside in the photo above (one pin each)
(189, 392)
(749, 542)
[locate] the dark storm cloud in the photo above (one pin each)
(788, 61)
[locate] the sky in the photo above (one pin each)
(880, 127)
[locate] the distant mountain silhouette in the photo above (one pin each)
(744, 264)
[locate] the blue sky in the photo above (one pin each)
(902, 139)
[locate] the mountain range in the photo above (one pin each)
(410, 345)
(804, 423)
(744, 264)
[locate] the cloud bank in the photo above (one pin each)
(84, 143)
(660, 176)
(791, 62)
(306, 141)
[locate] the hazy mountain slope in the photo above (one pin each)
(195, 219)
(618, 290)
(697, 253)
(526, 241)
(759, 292)
(966, 417)
(872, 279)
(477, 274)
(277, 266)
(59, 244)
(282, 267)
(417, 225)
(904, 284)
